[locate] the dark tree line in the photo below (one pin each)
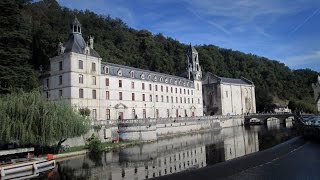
(30, 38)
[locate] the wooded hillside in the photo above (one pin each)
(38, 28)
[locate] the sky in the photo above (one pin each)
(284, 30)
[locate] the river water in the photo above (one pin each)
(171, 155)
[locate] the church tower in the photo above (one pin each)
(192, 61)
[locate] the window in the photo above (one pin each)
(60, 65)
(80, 64)
(94, 80)
(47, 83)
(184, 91)
(168, 113)
(180, 99)
(93, 67)
(185, 101)
(180, 91)
(198, 100)
(60, 80)
(161, 88)
(176, 90)
(133, 113)
(191, 92)
(80, 93)
(107, 81)
(157, 113)
(192, 100)
(106, 70)
(150, 97)
(60, 93)
(107, 95)
(156, 86)
(156, 98)
(176, 99)
(144, 113)
(108, 114)
(167, 98)
(120, 95)
(80, 79)
(167, 89)
(132, 74)
(143, 97)
(94, 94)
(171, 90)
(171, 99)
(150, 87)
(94, 114)
(161, 98)
(132, 97)
(188, 92)
(198, 86)
(132, 85)
(226, 94)
(120, 83)
(47, 93)
(188, 100)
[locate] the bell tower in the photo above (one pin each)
(192, 62)
(75, 26)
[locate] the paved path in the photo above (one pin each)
(294, 159)
(303, 163)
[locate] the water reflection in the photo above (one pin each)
(172, 155)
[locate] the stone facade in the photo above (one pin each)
(226, 96)
(316, 90)
(78, 76)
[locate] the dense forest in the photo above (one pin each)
(31, 31)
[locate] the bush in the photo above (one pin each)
(94, 144)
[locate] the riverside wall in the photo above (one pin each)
(153, 129)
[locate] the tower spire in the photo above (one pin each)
(75, 26)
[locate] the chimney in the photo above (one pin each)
(91, 38)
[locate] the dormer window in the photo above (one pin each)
(149, 77)
(166, 80)
(106, 70)
(161, 79)
(155, 78)
(132, 74)
(170, 81)
(119, 72)
(142, 76)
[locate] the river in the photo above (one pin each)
(173, 154)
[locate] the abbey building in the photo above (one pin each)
(110, 91)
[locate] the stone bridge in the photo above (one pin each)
(263, 118)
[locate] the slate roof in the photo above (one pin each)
(143, 74)
(232, 81)
(77, 44)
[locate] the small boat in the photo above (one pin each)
(25, 168)
(254, 121)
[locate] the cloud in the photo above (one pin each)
(312, 57)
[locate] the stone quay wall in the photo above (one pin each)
(152, 129)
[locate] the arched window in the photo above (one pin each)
(119, 72)
(132, 74)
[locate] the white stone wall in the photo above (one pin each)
(237, 99)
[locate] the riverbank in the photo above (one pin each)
(79, 150)
(230, 169)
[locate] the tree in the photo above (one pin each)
(26, 118)
(15, 48)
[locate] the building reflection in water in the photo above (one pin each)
(165, 156)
